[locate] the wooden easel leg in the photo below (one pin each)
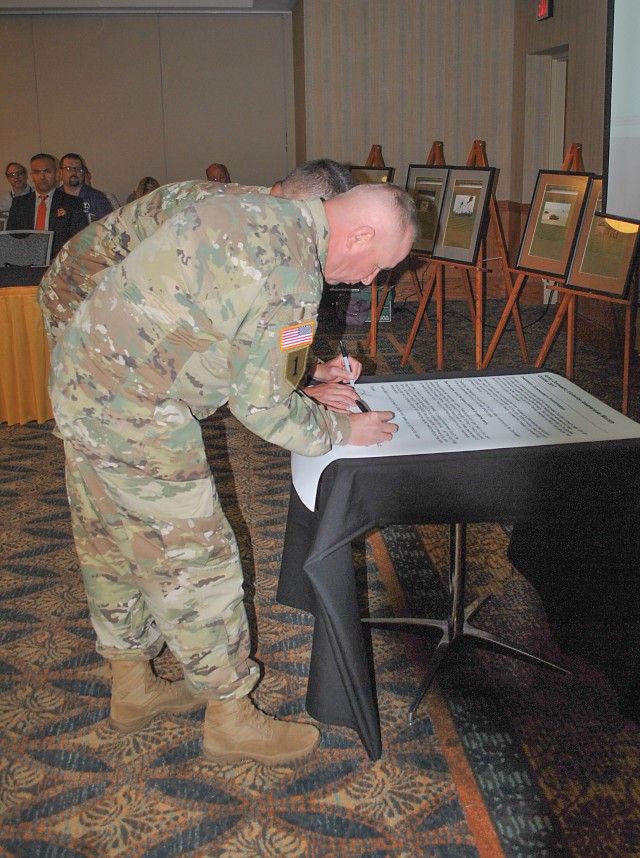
(553, 330)
(466, 277)
(504, 318)
(422, 309)
(419, 292)
(440, 316)
(371, 341)
(478, 158)
(479, 316)
(517, 321)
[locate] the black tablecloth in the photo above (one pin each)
(593, 488)
(21, 275)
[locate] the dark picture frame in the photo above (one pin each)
(606, 250)
(464, 214)
(555, 213)
(426, 183)
(372, 175)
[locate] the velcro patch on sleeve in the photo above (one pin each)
(295, 365)
(296, 336)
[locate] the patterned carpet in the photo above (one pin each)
(505, 759)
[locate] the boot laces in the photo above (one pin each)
(162, 685)
(259, 719)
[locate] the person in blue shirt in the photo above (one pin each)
(72, 172)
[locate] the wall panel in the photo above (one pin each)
(159, 95)
(406, 73)
(226, 95)
(19, 120)
(105, 104)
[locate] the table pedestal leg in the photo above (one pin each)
(457, 628)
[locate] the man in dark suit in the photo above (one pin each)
(50, 207)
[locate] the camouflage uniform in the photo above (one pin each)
(217, 305)
(83, 259)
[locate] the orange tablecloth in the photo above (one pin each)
(24, 358)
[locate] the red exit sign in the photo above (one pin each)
(545, 9)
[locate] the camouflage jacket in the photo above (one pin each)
(218, 305)
(83, 259)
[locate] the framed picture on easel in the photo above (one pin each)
(426, 184)
(605, 252)
(463, 216)
(554, 216)
(370, 175)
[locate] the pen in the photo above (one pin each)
(345, 357)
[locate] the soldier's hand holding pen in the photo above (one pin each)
(334, 384)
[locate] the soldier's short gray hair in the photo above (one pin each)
(319, 178)
(402, 202)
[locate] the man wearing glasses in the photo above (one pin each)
(73, 171)
(17, 177)
(50, 207)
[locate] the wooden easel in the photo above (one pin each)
(572, 163)
(573, 159)
(567, 307)
(435, 157)
(477, 158)
(374, 159)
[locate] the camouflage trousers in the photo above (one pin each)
(160, 563)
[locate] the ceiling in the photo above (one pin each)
(24, 7)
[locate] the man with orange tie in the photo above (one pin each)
(50, 207)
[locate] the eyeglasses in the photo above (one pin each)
(73, 169)
(16, 174)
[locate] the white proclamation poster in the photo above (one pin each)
(478, 413)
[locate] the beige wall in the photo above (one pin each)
(406, 73)
(159, 95)
(299, 81)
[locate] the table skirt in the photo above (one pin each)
(24, 358)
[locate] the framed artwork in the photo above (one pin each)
(605, 250)
(463, 216)
(550, 232)
(426, 184)
(368, 175)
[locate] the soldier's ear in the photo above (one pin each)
(360, 237)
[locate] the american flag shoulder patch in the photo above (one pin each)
(294, 336)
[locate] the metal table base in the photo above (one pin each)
(457, 629)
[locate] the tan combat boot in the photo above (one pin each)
(138, 696)
(236, 730)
